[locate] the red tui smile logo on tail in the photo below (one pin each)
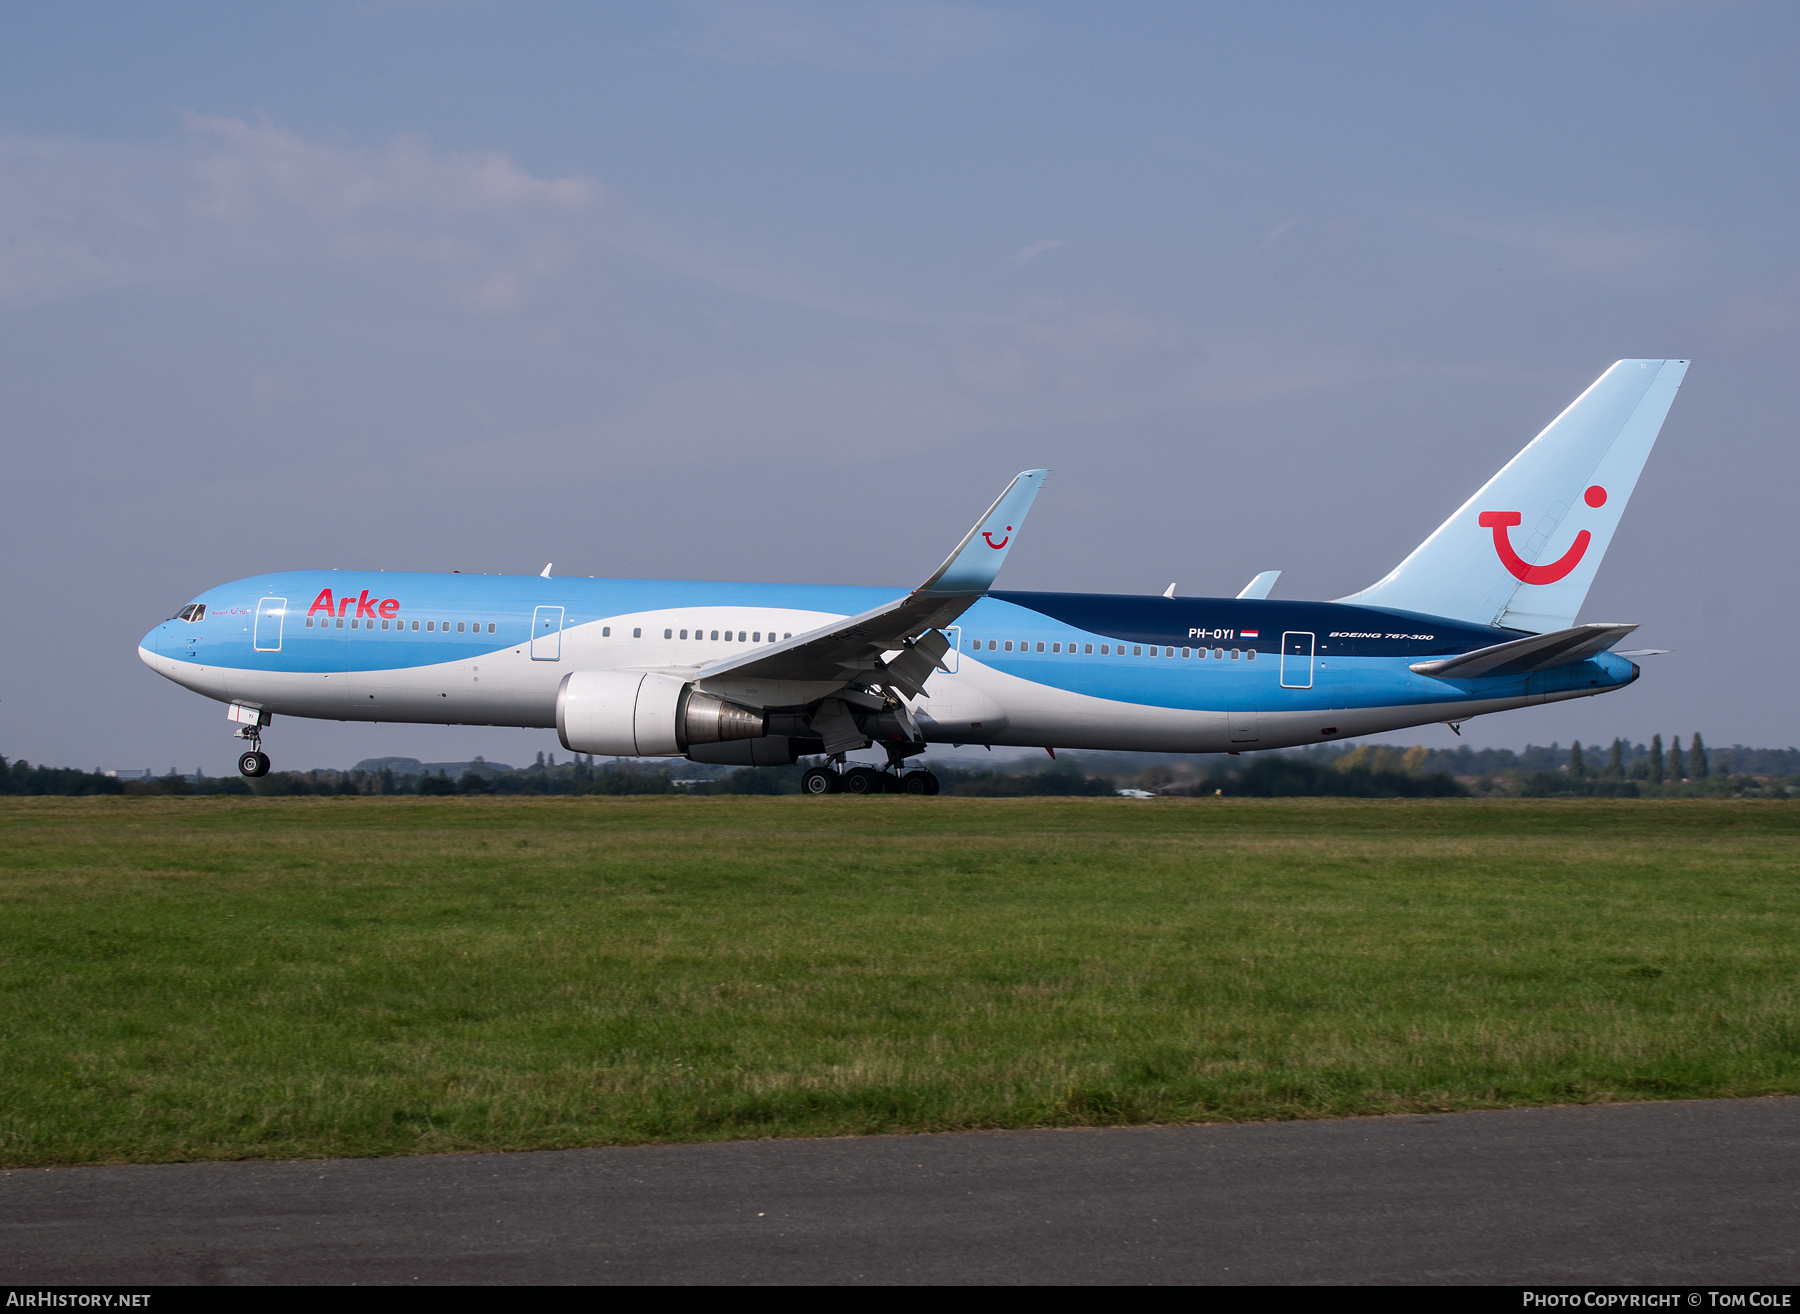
(1501, 521)
(988, 534)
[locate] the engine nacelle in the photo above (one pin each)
(644, 714)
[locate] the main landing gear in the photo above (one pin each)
(836, 779)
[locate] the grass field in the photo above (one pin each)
(228, 978)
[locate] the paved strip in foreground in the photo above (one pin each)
(1676, 1193)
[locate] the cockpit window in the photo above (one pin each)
(192, 612)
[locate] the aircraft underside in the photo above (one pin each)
(1007, 711)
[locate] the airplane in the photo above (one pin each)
(1479, 618)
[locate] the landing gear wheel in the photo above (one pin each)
(864, 780)
(254, 764)
(919, 782)
(818, 780)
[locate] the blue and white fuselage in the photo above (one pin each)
(1478, 619)
(1061, 670)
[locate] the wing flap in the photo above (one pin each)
(1540, 652)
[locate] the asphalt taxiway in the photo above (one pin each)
(1672, 1193)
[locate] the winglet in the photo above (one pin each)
(546, 571)
(1261, 585)
(970, 570)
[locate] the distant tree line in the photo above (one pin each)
(1621, 769)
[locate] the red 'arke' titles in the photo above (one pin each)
(366, 607)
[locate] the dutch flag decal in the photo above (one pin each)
(1250, 634)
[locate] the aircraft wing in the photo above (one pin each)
(1540, 652)
(852, 649)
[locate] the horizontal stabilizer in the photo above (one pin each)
(1522, 656)
(1261, 586)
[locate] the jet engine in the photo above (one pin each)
(644, 714)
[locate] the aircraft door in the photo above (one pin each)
(546, 634)
(270, 612)
(1297, 660)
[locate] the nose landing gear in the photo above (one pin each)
(251, 720)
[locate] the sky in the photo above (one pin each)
(787, 291)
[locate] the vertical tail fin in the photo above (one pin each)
(1522, 552)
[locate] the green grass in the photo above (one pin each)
(227, 978)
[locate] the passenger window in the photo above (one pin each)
(684, 634)
(384, 625)
(1218, 654)
(1106, 650)
(1087, 647)
(637, 632)
(1040, 647)
(715, 636)
(1186, 653)
(1009, 645)
(606, 631)
(974, 645)
(309, 622)
(490, 627)
(459, 627)
(1234, 654)
(1056, 647)
(740, 636)
(340, 622)
(785, 636)
(1137, 650)
(431, 625)
(1250, 654)
(755, 636)
(668, 634)
(993, 644)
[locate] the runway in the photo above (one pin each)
(1669, 1194)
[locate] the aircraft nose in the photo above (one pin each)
(150, 645)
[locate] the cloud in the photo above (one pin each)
(1275, 235)
(485, 232)
(1032, 252)
(1759, 314)
(474, 230)
(1592, 250)
(846, 38)
(490, 228)
(1045, 367)
(76, 217)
